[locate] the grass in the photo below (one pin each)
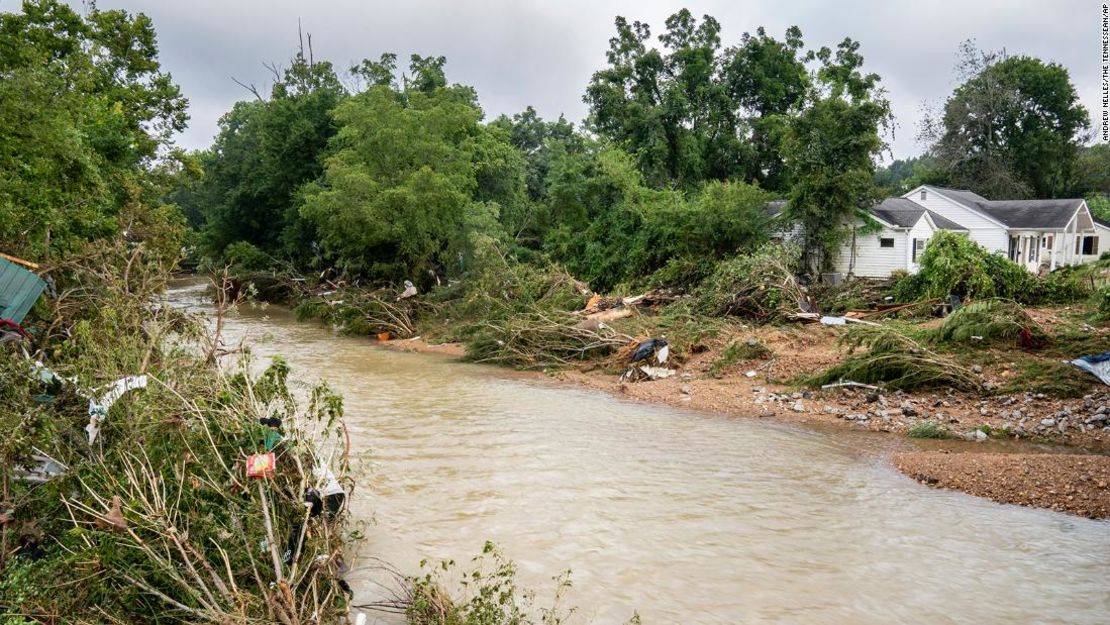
(739, 351)
(1053, 378)
(929, 429)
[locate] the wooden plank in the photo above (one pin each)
(20, 261)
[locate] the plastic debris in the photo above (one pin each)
(42, 470)
(260, 466)
(834, 321)
(751, 374)
(410, 290)
(1097, 365)
(98, 410)
(333, 493)
(663, 353)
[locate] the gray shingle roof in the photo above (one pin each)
(961, 195)
(775, 208)
(1025, 214)
(898, 212)
(945, 223)
(1033, 213)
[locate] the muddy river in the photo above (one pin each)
(679, 516)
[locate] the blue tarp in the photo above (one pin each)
(19, 289)
(1098, 365)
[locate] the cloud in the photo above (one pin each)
(541, 53)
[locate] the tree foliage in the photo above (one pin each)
(692, 112)
(1012, 129)
(830, 149)
(85, 109)
(416, 186)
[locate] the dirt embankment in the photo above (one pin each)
(1074, 483)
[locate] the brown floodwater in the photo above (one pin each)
(682, 517)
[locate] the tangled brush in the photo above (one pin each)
(896, 361)
(990, 320)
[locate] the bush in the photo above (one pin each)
(244, 256)
(897, 361)
(953, 263)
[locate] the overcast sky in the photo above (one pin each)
(542, 53)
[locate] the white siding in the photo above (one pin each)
(873, 260)
(922, 230)
(982, 230)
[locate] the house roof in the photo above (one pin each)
(1024, 214)
(1033, 213)
(895, 211)
(945, 223)
(898, 212)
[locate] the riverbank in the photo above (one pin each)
(1063, 466)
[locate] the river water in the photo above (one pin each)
(682, 517)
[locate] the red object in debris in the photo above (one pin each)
(260, 466)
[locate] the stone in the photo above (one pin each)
(1048, 422)
(909, 411)
(976, 369)
(872, 397)
(1101, 409)
(685, 388)
(798, 407)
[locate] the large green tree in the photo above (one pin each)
(417, 185)
(84, 112)
(830, 149)
(690, 111)
(1012, 129)
(265, 151)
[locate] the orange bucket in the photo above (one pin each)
(383, 336)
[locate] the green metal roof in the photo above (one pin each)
(19, 289)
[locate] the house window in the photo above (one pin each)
(923, 195)
(1032, 247)
(886, 242)
(1051, 241)
(1088, 246)
(918, 248)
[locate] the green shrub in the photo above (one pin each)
(895, 360)
(990, 319)
(244, 256)
(953, 263)
(929, 429)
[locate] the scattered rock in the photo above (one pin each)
(798, 407)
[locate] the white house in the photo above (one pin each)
(1038, 234)
(1035, 233)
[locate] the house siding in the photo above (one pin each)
(873, 260)
(980, 229)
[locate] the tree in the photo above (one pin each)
(416, 185)
(1012, 129)
(830, 150)
(670, 109)
(767, 78)
(84, 112)
(265, 151)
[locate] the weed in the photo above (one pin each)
(929, 429)
(739, 351)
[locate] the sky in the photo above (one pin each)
(541, 53)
